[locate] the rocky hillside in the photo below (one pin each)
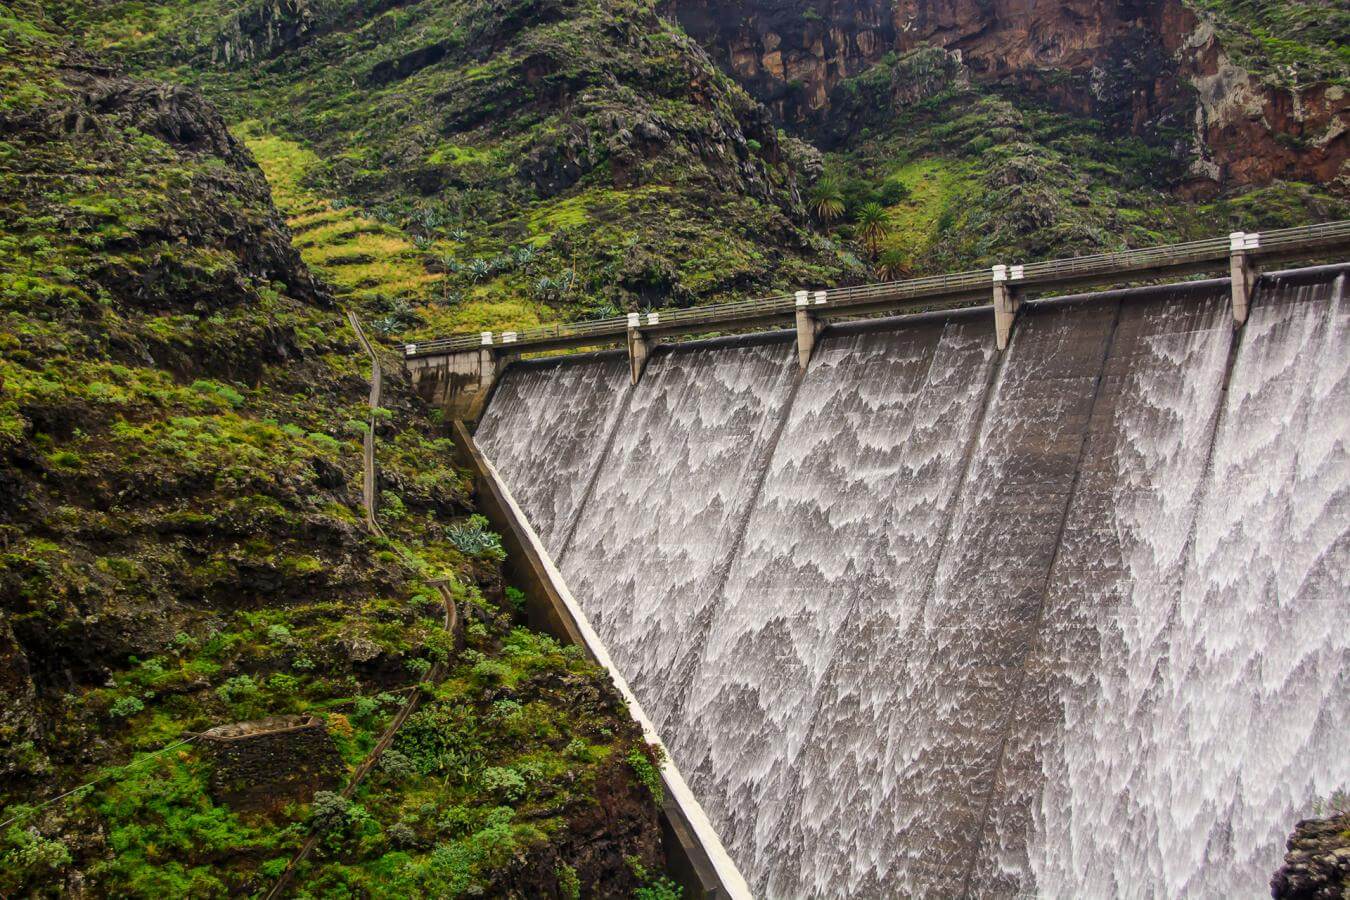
(551, 158)
(1258, 89)
(182, 546)
(466, 164)
(994, 132)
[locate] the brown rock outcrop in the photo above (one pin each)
(1143, 66)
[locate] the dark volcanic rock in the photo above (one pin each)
(1317, 866)
(263, 765)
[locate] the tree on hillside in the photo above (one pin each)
(874, 223)
(447, 264)
(827, 199)
(892, 265)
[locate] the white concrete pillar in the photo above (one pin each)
(1242, 272)
(1005, 306)
(638, 348)
(808, 327)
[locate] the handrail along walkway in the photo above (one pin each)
(1150, 262)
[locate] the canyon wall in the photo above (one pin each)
(1147, 67)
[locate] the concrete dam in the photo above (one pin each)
(929, 619)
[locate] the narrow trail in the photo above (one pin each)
(450, 622)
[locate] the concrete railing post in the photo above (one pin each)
(808, 327)
(1242, 271)
(1006, 303)
(638, 347)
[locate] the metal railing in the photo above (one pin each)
(1043, 274)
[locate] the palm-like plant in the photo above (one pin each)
(874, 223)
(827, 200)
(892, 265)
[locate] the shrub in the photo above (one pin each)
(401, 834)
(660, 889)
(517, 600)
(647, 774)
(283, 684)
(329, 812)
(506, 709)
(126, 707)
(364, 709)
(396, 765)
(223, 391)
(239, 689)
(504, 782)
(569, 885)
(490, 672)
(65, 459)
(29, 856)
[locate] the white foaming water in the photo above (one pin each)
(1247, 712)
(1083, 635)
(1075, 734)
(652, 545)
(545, 430)
(852, 495)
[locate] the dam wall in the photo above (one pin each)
(933, 620)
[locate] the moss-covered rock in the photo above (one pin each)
(182, 544)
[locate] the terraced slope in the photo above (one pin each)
(182, 409)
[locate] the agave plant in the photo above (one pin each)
(478, 269)
(892, 265)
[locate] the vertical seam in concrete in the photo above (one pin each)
(723, 572)
(967, 463)
(1039, 622)
(585, 500)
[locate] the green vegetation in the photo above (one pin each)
(415, 169)
(181, 537)
(968, 177)
(1293, 42)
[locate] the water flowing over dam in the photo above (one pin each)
(935, 620)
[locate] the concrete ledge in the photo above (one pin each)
(693, 848)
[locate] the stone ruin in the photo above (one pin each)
(263, 765)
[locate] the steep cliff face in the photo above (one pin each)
(1144, 67)
(565, 157)
(182, 408)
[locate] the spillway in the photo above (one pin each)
(931, 620)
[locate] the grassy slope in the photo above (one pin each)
(998, 178)
(180, 545)
(561, 158)
(443, 160)
(1291, 42)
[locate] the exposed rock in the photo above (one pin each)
(262, 765)
(1317, 866)
(1149, 68)
(18, 715)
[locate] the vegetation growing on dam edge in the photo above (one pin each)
(181, 545)
(597, 161)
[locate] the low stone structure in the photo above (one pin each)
(1317, 866)
(261, 766)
